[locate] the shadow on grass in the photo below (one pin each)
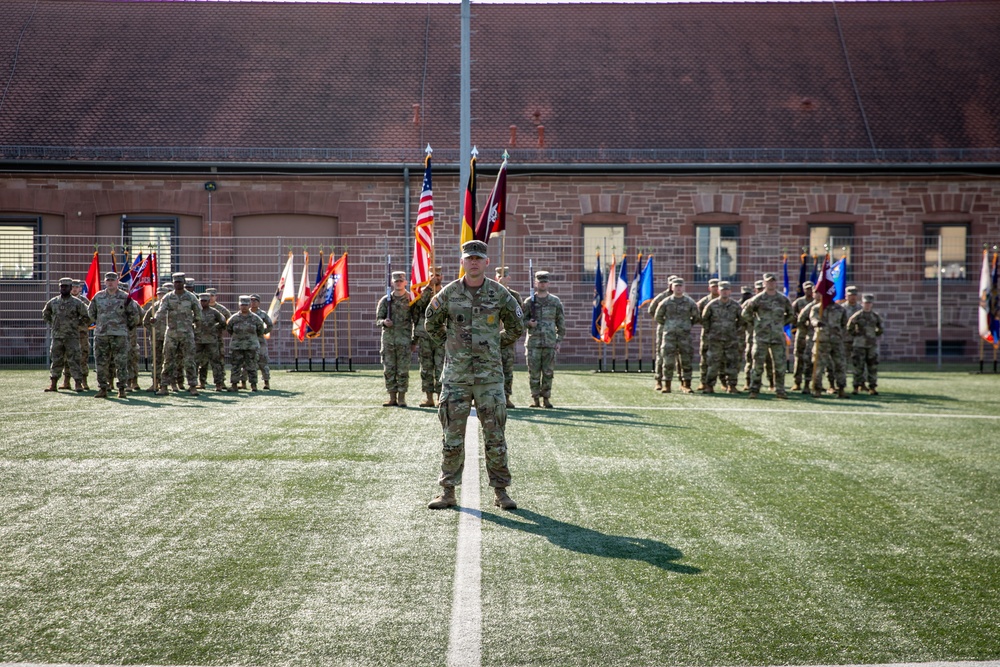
(592, 542)
(570, 416)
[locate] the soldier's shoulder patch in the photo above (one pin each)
(435, 303)
(518, 312)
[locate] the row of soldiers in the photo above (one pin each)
(186, 338)
(825, 338)
(401, 319)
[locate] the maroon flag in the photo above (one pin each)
(826, 285)
(144, 282)
(493, 219)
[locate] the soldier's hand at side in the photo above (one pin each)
(387, 323)
(532, 323)
(558, 347)
(820, 325)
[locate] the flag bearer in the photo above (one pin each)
(393, 316)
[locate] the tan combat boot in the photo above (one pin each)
(162, 391)
(666, 386)
(429, 401)
(267, 385)
(121, 392)
(445, 499)
(659, 385)
(220, 387)
(841, 393)
(535, 403)
(65, 384)
(686, 386)
(401, 399)
(101, 393)
(253, 387)
(510, 403)
(193, 390)
(392, 400)
(79, 387)
(732, 389)
(86, 386)
(546, 402)
(52, 384)
(502, 500)
(233, 388)
(707, 388)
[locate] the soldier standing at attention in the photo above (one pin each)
(507, 352)
(151, 324)
(805, 330)
(865, 326)
(546, 327)
(768, 313)
(851, 306)
(394, 318)
(657, 354)
(473, 317)
(803, 354)
(713, 293)
(214, 303)
(722, 331)
(183, 313)
(77, 291)
(829, 324)
(206, 342)
(245, 328)
(677, 314)
(746, 294)
(431, 353)
(263, 360)
(113, 314)
(65, 314)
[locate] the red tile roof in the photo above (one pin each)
(245, 76)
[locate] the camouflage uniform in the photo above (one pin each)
(156, 341)
(657, 352)
(829, 324)
(540, 344)
(206, 342)
(677, 314)
(133, 358)
(397, 341)
(431, 353)
(722, 331)
(768, 314)
(849, 310)
(747, 341)
(226, 313)
(802, 342)
(245, 330)
(703, 342)
(468, 323)
(183, 313)
(84, 348)
(865, 328)
(113, 315)
(263, 360)
(65, 315)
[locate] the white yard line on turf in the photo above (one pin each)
(466, 633)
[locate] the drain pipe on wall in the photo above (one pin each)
(406, 218)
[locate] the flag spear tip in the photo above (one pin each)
(505, 155)
(428, 150)
(475, 151)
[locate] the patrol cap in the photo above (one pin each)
(244, 300)
(111, 275)
(398, 275)
(851, 289)
(768, 277)
(679, 281)
(163, 289)
(188, 281)
(211, 291)
(724, 284)
(255, 297)
(808, 285)
(178, 278)
(671, 278)
(868, 298)
(204, 296)
(747, 289)
(437, 270)
(77, 283)
(65, 281)
(474, 249)
(502, 271)
(542, 276)
(713, 281)
(759, 284)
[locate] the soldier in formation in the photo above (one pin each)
(206, 342)
(65, 314)
(157, 330)
(713, 293)
(182, 311)
(394, 318)
(473, 317)
(863, 330)
(113, 314)
(545, 323)
(767, 313)
(851, 305)
(263, 360)
(77, 291)
(245, 330)
(677, 314)
(829, 324)
(654, 303)
(802, 337)
(722, 332)
(430, 352)
(507, 352)
(214, 303)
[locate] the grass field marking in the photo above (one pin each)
(466, 631)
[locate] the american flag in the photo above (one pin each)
(423, 242)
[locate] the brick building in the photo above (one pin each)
(718, 138)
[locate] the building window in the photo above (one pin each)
(19, 248)
(157, 235)
(835, 239)
(606, 239)
(717, 252)
(947, 245)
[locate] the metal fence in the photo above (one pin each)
(902, 273)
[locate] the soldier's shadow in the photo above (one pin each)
(592, 542)
(586, 416)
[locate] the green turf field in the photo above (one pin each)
(289, 527)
